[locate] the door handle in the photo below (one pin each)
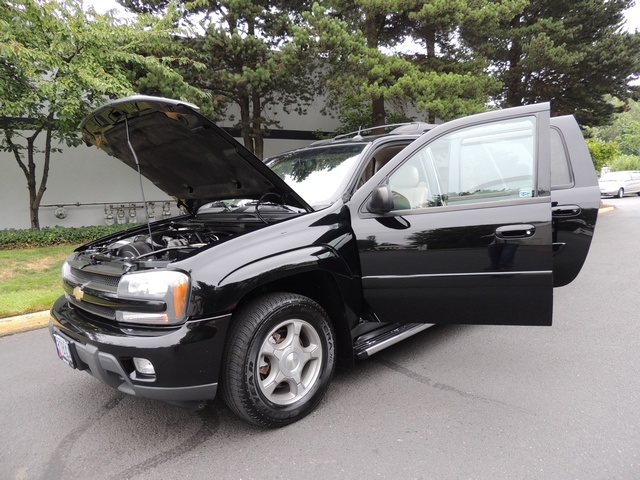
(558, 247)
(515, 231)
(566, 211)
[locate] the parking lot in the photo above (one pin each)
(453, 402)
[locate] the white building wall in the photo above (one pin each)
(80, 176)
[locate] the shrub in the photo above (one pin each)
(625, 162)
(48, 236)
(602, 153)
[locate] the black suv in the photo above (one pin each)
(277, 271)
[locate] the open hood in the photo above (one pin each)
(183, 153)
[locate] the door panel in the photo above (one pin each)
(469, 236)
(575, 198)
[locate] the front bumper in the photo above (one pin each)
(609, 190)
(186, 358)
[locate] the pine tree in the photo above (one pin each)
(570, 53)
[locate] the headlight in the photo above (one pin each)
(169, 286)
(66, 270)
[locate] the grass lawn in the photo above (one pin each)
(30, 278)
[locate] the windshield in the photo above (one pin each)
(316, 173)
(614, 176)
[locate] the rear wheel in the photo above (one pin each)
(620, 193)
(279, 359)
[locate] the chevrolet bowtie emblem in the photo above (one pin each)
(78, 293)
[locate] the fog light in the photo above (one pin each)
(143, 366)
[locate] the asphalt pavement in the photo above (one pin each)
(453, 402)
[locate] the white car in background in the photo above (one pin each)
(618, 184)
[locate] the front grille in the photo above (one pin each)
(95, 278)
(93, 309)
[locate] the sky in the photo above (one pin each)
(633, 18)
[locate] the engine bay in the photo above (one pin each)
(168, 242)
(178, 238)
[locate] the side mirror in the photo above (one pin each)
(381, 200)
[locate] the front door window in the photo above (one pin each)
(481, 163)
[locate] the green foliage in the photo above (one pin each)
(364, 70)
(618, 145)
(602, 153)
(571, 53)
(57, 63)
(15, 238)
(625, 129)
(60, 61)
(625, 162)
(252, 58)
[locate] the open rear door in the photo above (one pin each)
(575, 199)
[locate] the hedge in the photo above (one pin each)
(48, 236)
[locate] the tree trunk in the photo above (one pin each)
(373, 25)
(379, 115)
(30, 173)
(513, 82)
(245, 122)
(36, 193)
(35, 206)
(429, 34)
(29, 168)
(258, 132)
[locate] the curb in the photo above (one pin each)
(23, 323)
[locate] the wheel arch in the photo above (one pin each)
(318, 272)
(321, 287)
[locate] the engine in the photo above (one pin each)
(165, 243)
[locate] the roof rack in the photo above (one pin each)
(398, 128)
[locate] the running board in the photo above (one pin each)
(366, 347)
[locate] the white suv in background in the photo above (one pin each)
(618, 184)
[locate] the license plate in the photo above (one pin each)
(64, 350)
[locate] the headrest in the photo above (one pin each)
(406, 176)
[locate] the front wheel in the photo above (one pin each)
(278, 360)
(620, 193)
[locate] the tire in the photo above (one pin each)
(620, 193)
(278, 360)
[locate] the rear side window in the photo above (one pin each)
(481, 163)
(560, 169)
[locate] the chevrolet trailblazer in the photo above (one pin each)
(278, 271)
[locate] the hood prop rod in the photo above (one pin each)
(144, 200)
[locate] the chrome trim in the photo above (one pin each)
(393, 340)
(472, 274)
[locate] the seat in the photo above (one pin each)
(409, 191)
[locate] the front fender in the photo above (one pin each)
(227, 292)
(250, 277)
